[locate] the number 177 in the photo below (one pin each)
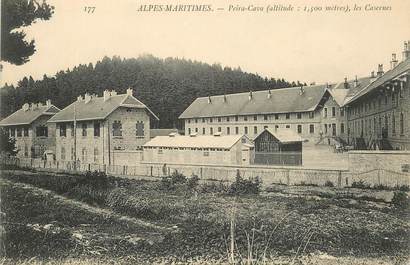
(89, 9)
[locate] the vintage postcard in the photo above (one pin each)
(205, 132)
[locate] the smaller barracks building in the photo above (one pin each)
(199, 149)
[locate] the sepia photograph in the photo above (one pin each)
(205, 132)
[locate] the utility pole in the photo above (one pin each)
(75, 138)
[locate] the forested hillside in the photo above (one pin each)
(167, 86)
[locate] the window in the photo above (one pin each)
(211, 120)
(189, 120)
(219, 119)
(63, 130)
(236, 130)
(84, 154)
(245, 118)
(84, 129)
(287, 116)
(96, 155)
(311, 128)
(189, 130)
(299, 128)
(325, 128)
(160, 152)
(401, 124)
(311, 115)
(19, 132)
(203, 130)
(342, 128)
(265, 117)
(255, 117)
(288, 126)
(246, 130)
(219, 129)
(211, 131)
(228, 130)
(42, 131)
(227, 119)
(342, 112)
(196, 130)
(25, 150)
(236, 118)
(25, 131)
(324, 112)
(196, 120)
(206, 153)
(117, 128)
(62, 153)
(392, 99)
(334, 111)
(276, 127)
(139, 129)
(385, 100)
(299, 115)
(96, 129)
(393, 123)
(265, 127)
(276, 116)
(255, 129)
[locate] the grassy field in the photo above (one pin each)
(70, 220)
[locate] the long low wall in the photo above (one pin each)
(268, 175)
(362, 161)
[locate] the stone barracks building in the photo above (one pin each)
(28, 126)
(379, 115)
(109, 129)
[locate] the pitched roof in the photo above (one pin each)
(161, 132)
(199, 141)
(400, 69)
(239, 104)
(97, 108)
(26, 117)
(342, 94)
(284, 135)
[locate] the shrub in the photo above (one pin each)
(302, 183)
(214, 187)
(400, 199)
(170, 182)
(403, 188)
(245, 186)
(193, 182)
(96, 179)
(328, 183)
(360, 185)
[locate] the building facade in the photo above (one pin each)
(103, 130)
(379, 115)
(29, 127)
(199, 150)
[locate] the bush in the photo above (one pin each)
(96, 179)
(243, 186)
(193, 182)
(360, 185)
(403, 188)
(302, 183)
(328, 183)
(400, 199)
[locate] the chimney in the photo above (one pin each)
(113, 93)
(106, 95)
(87, 98)
(80, 98)
(269, 94)
(346, 84)
(302, 90)
(380, 71)
(250, 95)
(25, 107)
(209, 100)
(406, 51)
(129, 91)
(356, 82)
(48, 103)
(393, 62)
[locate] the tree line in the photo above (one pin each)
(167, 86)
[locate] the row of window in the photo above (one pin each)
(333, 112)
(83, 157)
(265, 117)
(246, 129)
(378, 125)
(116, 129)
(41, 131)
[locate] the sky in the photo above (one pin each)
(311, 47)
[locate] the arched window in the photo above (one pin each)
(401, 123)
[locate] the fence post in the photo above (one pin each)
(378, 176)
(339, 179)
(200, 172)
(151, 171)
(89, 167)
(287, 177)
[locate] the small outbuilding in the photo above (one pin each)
(199, 149)
(281, 147)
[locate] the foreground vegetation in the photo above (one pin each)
(178, 219)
